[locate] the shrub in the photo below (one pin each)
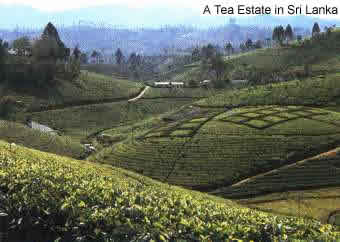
(193, 83)
(219, 84)
(7, 107)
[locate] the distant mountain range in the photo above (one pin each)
(147, 31)
(116, 15)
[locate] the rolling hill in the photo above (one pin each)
(78, 199)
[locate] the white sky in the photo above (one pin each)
(197, 5)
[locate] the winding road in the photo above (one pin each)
(140, 95)
(88, 102)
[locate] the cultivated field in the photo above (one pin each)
(216, 147)
(97, 203)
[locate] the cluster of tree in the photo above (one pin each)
(250, 45)
(212, 60)
(47, 55)
(281, 34)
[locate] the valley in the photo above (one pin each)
(252, 154)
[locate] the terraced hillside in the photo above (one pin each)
(320, 171)
(62, 198)
(219, 147)
(88, 88)
(318, 91)
(322, 204)
(23, 135)
(81, 121)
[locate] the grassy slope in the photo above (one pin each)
(312, 203)
(183, 92)
(237, 150)
(110, 202)
(313, 91)
(318, 171)
(87, 87)
(286, 61)
(79, 122)
(22, 135)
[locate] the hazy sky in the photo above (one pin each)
(196, 5)
(146, 13)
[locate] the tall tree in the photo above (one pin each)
(289, 33)
(229, 48)
(119, 56)
(218, 65)
(21, 44)
(243, 47)
(76, 52)
(316, 29)
(51, 32)
(83, 58)
(133, 61)
(195, 55)
(249, 44)
(278, 34)
(258, 44)
(45, 49)
(2, 59)
(208, 51)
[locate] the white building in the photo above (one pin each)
(168, 84)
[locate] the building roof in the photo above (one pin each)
(169, 83)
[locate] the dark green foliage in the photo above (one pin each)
(95, 54)
(83, 58)
(196, 54)
(134, 61)
(21, 44)
(5, 45)
(76, 52)
(119, 56)
(50, 32)
(249, 44)
(193, 83)
(278, 34)
(44, 49)
(218, 65)
(316, 29)
(258, 44)
(229, 48)
(208, 51)
(7, 107)
(243, 47)
(3, 55)
(289, 33)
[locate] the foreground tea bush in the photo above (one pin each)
(97, 203)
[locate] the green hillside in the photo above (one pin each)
(309, 58)
(77, 199)
(218, 146)
(22, 135)
(81, 121)
(316, 172)
(322, 204)
(88, 88)
(317, 91)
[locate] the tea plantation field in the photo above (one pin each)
(23, 135)
(82, 200)
(317, 91)
(218, 147)
(320, 171)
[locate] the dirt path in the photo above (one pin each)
(140, 95)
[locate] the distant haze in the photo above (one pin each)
(129, 13)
